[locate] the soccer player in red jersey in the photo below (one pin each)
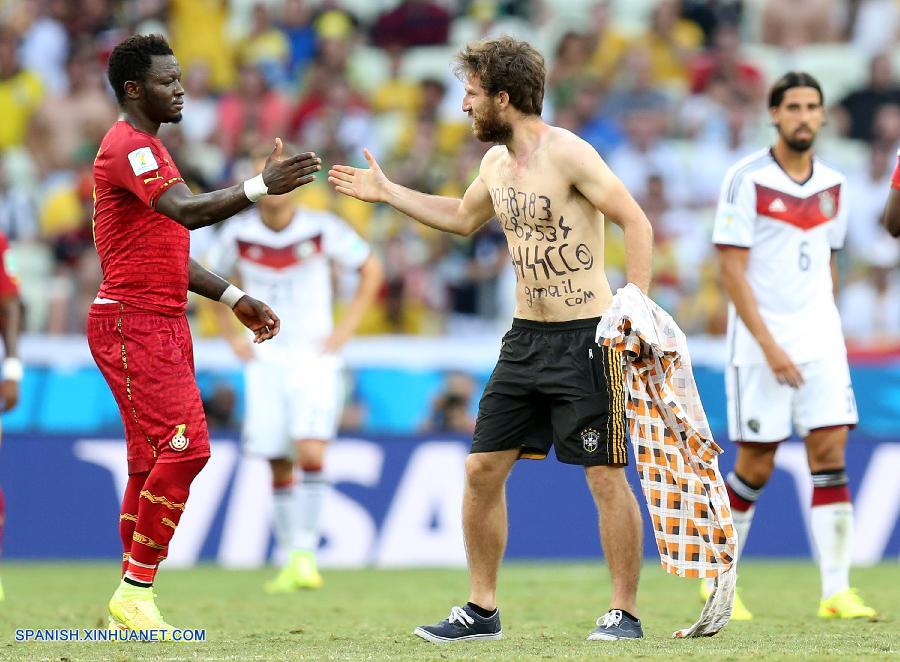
(892, 209)
(137, 330)
(10, 318)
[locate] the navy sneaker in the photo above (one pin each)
(616, 624)
(463, 624)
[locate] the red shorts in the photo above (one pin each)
(148, 361)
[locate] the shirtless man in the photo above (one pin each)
(553, 385)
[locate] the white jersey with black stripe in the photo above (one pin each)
(791, 229)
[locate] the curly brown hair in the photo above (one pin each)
(506, 65)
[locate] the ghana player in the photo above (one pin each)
(137, 329)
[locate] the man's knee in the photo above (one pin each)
(282, 471)
(825, 448)
(485, 471)
(606, 481)
(755, 463)
(311, 454)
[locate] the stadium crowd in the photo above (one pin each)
(670, 92)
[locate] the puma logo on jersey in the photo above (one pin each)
(777, 205)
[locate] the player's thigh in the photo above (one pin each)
(589, 419)
(265, 431)
(759, 408)
(315, 397)
(825, 399)
(510, 413)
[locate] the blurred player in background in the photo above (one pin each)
(892, 209)
(782, 216)
(137, 330)
(553, 384)
(10, 325)
(294, 389)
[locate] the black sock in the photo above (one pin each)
(481, 611)
(134, 582)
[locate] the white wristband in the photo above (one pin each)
(231, 295)
(12, 369)
(255, 188)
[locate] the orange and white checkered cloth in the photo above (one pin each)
(676, 455)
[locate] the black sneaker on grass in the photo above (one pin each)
(616, 624)
(463, 624)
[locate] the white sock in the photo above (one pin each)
(310, 498)
(742, 520)
(832, 532)
(283, 516)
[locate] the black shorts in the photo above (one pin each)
(554, 386)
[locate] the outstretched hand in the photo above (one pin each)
(282, 175)
(257, 317)
(366, 184)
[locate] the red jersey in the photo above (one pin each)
(895, 177)
(144, 254)
(9, 284)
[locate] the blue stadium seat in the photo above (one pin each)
(397, 400)
(22, 418)
(72, 401)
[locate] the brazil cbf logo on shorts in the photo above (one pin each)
(590, 439)
(179, 442)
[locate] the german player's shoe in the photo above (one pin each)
(616, 624)
(300, 572)
(846, 604)
(463, 624)
(739, 611)
(134, 608)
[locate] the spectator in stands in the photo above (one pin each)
(397, 93)
(723, 61)
(636, 90)
(709, 15)
(606, 44)
(868, 304)
(645, 153)
(67, 128)
(570, 68)
(855, 113)
(412, 23)
(672, 42)
(200, 112)
(587, 117)
(197, 32)
(451, 410)
(266, 47)
(296, 24)
(251, 114)
(18, 214)
(868, 189)
(794, 23)
(45, 43)
(872, 25)
(21, 92)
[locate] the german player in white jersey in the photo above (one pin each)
(294, 390)
(782, 215)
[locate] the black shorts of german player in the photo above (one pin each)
(554, 386)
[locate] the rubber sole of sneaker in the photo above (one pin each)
(609, 637)
(427, 636)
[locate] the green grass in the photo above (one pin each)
(548, 609)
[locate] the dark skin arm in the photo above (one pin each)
(891, 218)
(252, 313)
(197, 211)
(10, 320)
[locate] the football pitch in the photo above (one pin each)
(547, 611)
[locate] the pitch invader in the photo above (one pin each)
(781, 218)
(294, 388)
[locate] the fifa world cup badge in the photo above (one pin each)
(179, 442)
(590, 439)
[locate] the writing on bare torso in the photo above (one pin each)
(554, 235)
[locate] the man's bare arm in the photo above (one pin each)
(891, 218)
(596, 182)
(453, 215)
(197, 211)
(733, 269)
